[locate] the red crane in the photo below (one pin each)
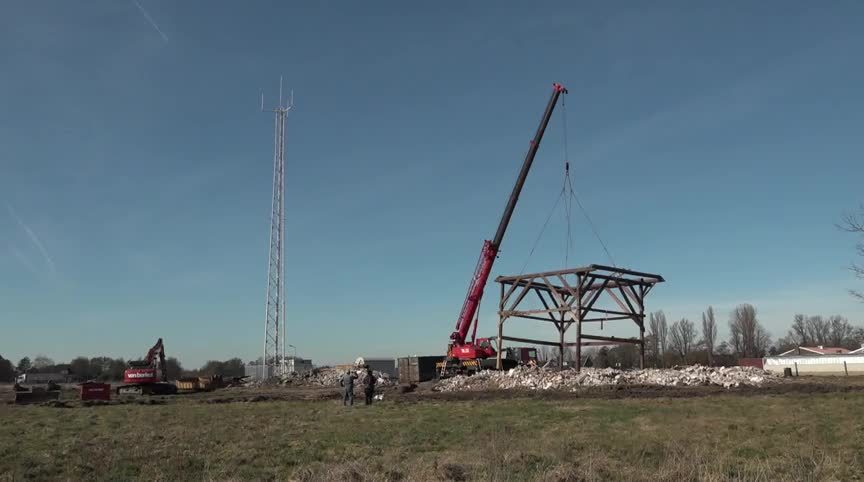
(460, 348)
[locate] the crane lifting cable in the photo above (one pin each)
(591, 225)
(542, 230)
(568, 203)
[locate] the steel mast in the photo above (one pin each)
(274, 362)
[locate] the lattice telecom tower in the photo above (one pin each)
(274, 318)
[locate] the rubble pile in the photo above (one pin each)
(527, 378)
(331, 377)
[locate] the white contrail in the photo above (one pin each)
(149, 19)
(35, 239)
(25, 261)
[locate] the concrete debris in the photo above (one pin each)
(328, 377)
(525, 378)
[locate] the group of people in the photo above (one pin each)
(348, 383)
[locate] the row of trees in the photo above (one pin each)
(233, 367)
(817, 330)
(683, 342)
(104, 368)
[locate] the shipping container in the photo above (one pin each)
(416, 369)
(95, 391)
(383, 365)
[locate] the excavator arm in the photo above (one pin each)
(157, 355)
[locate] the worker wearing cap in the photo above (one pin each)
(370, 385)
(348, 382)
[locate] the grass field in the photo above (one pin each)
(776, 437)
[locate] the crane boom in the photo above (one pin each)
(459, 348)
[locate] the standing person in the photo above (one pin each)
(348, 382)
(370, 385)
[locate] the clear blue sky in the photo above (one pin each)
(714, 144)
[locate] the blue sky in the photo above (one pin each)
(714, 144)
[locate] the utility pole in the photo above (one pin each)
(274, 318)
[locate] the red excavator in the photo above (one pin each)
(465, 355)
(148, 376)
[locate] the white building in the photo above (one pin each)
(818, 360)
(297, 365)
(292, 365)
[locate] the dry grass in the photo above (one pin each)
(793, 437)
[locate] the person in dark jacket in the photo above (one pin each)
(370, 386)
(348, 382)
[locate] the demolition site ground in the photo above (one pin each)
(805, 429)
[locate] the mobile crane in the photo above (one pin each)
(148, 376)
(476, 353)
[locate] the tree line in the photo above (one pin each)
(683, 342)
(103, 368)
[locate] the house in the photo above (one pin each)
(816, 351)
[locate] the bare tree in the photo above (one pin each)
(856, 338)
(747, 337)
(818, 330)
(659, 334)
(798, 332)
(841, 330)
(682, 337)
(762, 341)
(854, 223)
(709, 333)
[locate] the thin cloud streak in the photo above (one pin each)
(34, 239)
(149, 19)
(25, 261)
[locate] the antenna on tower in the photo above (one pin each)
(274, 362)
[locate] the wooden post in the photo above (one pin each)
(579, 323)
(561, 345)
(642, 328)
(500, 329)
(845, 368)
(796, 368)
